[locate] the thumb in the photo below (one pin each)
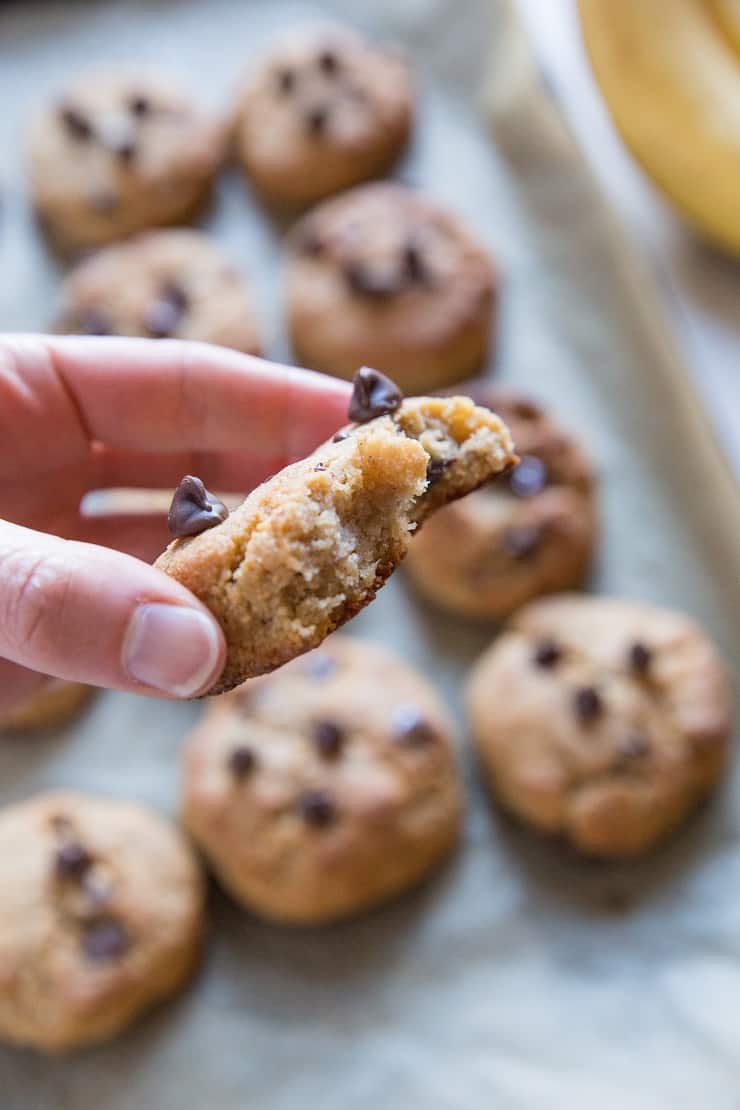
(89, 614)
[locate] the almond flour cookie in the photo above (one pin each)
(324, 110)
(310, 547)
(101, 906)
(119, 151)
(384, 276)
(56, 704)
(601, 720)
(325, 788)
(532, 532)
(161, 284)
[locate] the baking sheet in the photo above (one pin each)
(518, 977)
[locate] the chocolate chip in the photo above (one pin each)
(317, 809)
(194, 509)
(328, 738)
(587, 704)
(328, 62)
(547, 653)
(634, 746)
(139, 105)
(373, 394)
(76, 122)
(321, 666)
(162, 316)
(436, 468)
(414, 266)
(411, 728)
(317, 118)
(339, 437)
(242, 761)
(371, 283)
(72, 860)
(522, 541)
(105, 939)
(285, 80)
(94, 321)
(529, 477)
(640, 657)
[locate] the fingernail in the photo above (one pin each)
(172, 648)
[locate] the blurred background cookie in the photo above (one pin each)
(57, 703)
(527, 533)
(322, 111)
(119, 151)
(101, 906)
(604, 721)
(384, 276)
(326, 787)
(160, 284)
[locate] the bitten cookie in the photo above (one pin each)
(322, 111)
(160, 284)
(54, 705)
(311, 546)
(101, 906)
(601, 720)
(325, 788)
(532, 532)
(119, 151)
(382, 275)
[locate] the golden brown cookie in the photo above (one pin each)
(311, 547)
(119, 151)
(322, 111)
(529, 533)
(382, 275)
(55, 704)
(325, 788)
(161, 284)
(604, 721)
(101, 907)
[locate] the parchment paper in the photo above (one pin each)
(519, 977)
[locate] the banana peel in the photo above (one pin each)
(669, 71)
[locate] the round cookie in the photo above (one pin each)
(101, 907)
(528, 533)
(56, 703)
(119, 151)
(161, 284)
(326, 787)
(604, 721)
(322, 111)
(383, 276)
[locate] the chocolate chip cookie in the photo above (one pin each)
(55, 704)
(529, 533)
(325, 788)
(119, 151)
(604, 721)
(322, 111)
(310, 547)
(101, 906)
(383, 275)
(161, 284)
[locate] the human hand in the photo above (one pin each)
(78, 414)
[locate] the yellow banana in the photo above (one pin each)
(669, 71)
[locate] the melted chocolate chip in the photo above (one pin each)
(317, 119)
(285, 80)
(411, 728)
(436, 468)
(587, 704)
(105, 939)
(372, 283)
(328, 62)
(328, 738)
(194, 509)
(94, 320)
(72, 860)
(529, 477)
(139, 105)
(76, 123)
(634, 746)
(547, 653)
(242, 761)
(317, 809)
(162, 316)
(339, 437)
(640, 657)
(522, 541)
(373, 394)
